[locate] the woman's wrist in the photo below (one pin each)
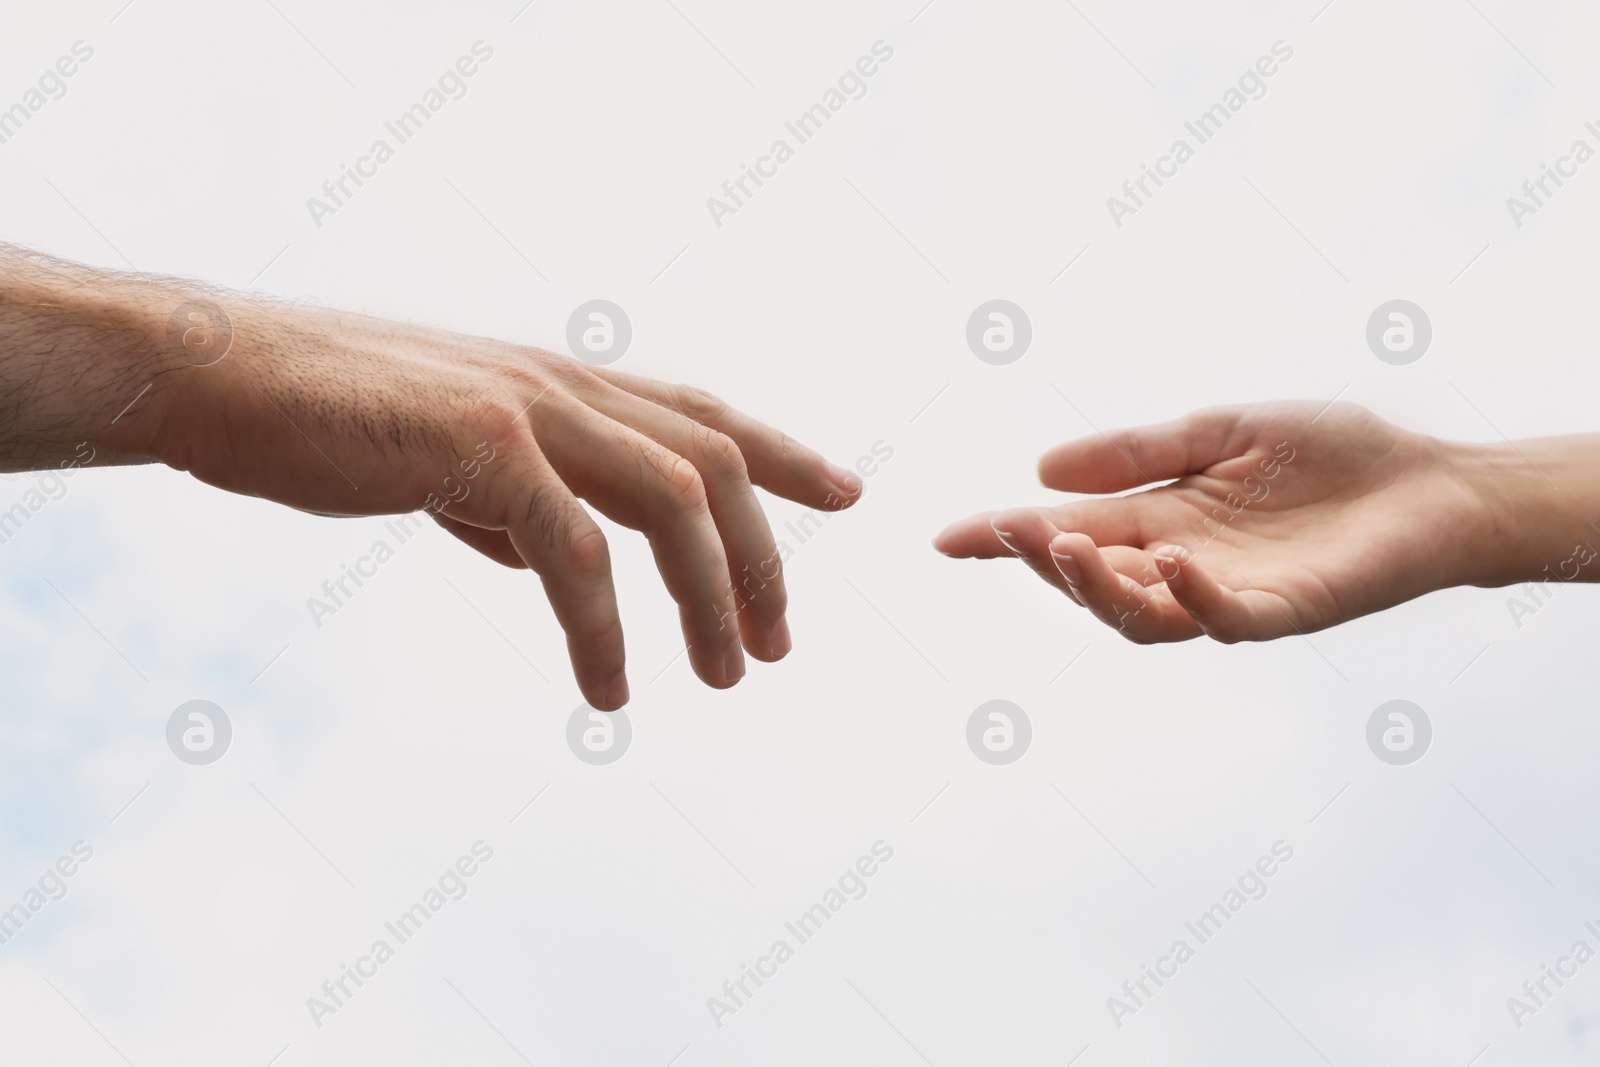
(1540, 499)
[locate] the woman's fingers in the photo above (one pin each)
(1095, 550)
(1138, 613)
(972, 538)
(1112, 521)
(1224, 615)
(1026, 534)
(1093, 582)
(1163, 595)
(1133, 563)
(777, 462)
(635, 481)
(1121, 459)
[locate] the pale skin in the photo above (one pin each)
(507, 446)
(1274, 519)
(1290, 517)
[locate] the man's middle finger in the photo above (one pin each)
(753, 564)
(639, 483)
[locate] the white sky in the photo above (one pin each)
(834, 303)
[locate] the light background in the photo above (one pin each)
(370, 753)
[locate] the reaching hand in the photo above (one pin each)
(343, 414)
(1284, 518)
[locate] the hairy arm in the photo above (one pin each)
(344, 414)
(76, 348)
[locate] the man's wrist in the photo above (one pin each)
(82, 357)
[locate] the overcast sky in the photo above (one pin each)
(371, 752)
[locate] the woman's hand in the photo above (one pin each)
(1284, 518)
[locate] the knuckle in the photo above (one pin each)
(532, 377)
(685, 489)
(497, 418)
(698, 404)
(725, 453)
(545, 365)
(574, 376)
(587, 556)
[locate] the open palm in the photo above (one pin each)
(1283, 518)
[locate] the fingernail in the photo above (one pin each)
(1068, 567)
(617, 691)
(779, 640)
(1168, 564)
(848, 484)
(1008, 539)
(733, 664)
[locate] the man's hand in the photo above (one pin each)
(343, 414)
(1286, 518)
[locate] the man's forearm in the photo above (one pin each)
(80, 351)
(506, 445)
